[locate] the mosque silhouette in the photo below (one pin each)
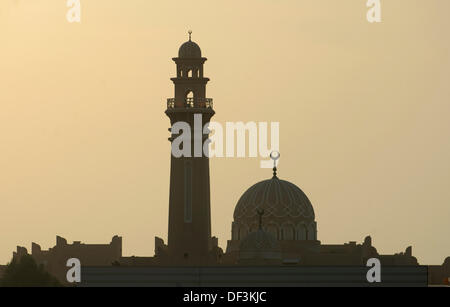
(274, 232)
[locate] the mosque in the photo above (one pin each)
(274, 220)
(274, 224)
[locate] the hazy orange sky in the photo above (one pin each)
(363, 111)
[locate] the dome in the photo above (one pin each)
(259, 244)
(280, 199)
(288, 213)
(189, 50)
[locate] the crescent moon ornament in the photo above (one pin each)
(275, 155)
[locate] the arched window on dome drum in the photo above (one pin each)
(273, 229)
(301, 232)
(288, 232)
(311, 232)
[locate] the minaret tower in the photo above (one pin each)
(189, 238)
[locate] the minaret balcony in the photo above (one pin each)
(202, 103)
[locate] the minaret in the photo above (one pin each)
(189, 238)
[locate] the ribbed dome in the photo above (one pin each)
(189, 50)
(278, 198)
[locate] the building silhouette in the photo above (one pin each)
(273, 225)
(189, 236)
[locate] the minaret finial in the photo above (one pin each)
(190, 33)
(260, 213)
(275, 155)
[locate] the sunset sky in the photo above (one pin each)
(363, 110)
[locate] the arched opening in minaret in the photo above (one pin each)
(190, 98)
(189, 73)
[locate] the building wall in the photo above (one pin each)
(54, 259)
(439, 274)
(2, 270)
(241, 276)
(108, 257)
(311, 252)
